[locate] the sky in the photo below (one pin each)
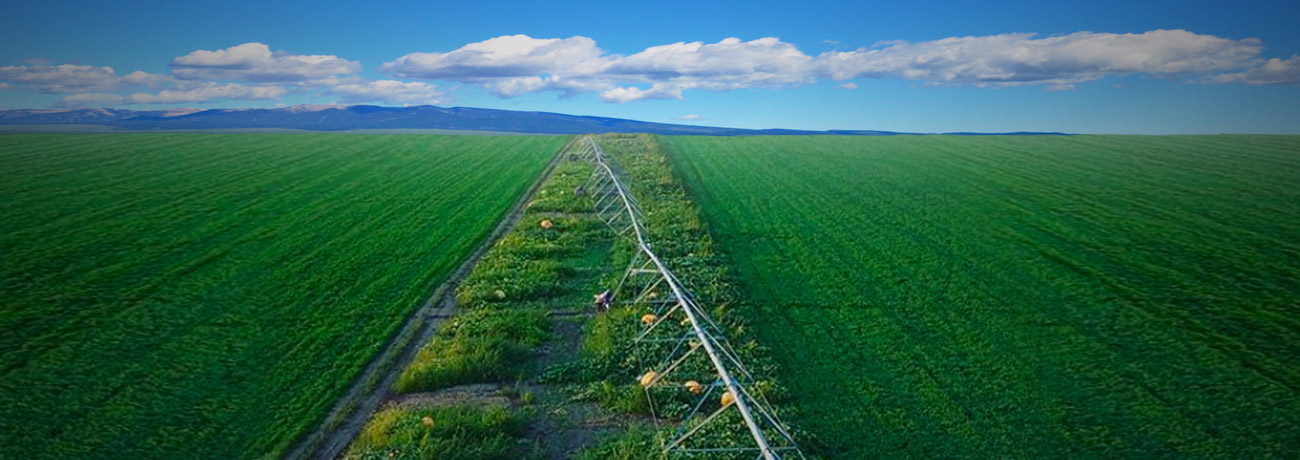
(1162, 67)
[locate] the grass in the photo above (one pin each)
(1026, 297)
(476, 346)
(210, 296)
(636, 444)
(453, 432)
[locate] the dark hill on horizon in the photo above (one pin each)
(367, 117)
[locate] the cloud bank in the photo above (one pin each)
(66, 78)
(1023, 59)
(251, 71)
(89, 100)
(1273, 72)
(514, 65)
(209, 92)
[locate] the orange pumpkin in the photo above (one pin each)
(648, 378)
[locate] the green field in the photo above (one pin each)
(210, 296)
(1019, 296)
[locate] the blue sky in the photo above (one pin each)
(1095, 67)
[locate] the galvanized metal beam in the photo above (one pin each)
(719, 355)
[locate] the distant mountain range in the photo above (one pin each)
(367, 117)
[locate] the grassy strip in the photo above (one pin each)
(505, 298)
(532, 271)
(534, 268)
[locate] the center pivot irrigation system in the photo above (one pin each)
(676, 329)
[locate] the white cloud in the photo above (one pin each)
(151, 80)
(88, 100)
(392, 92)
(330, 81)
(519, 64)
(688, 117)
(1272, 72)
(766, 61)
(207, 93)
(727, 65)
(1056, 62)
(500, 57)
(66, 78)
(849, 85)
(512, 65)
(622, 94)
(4, 86)
(255, 62)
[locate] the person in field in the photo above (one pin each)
(603, 300)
